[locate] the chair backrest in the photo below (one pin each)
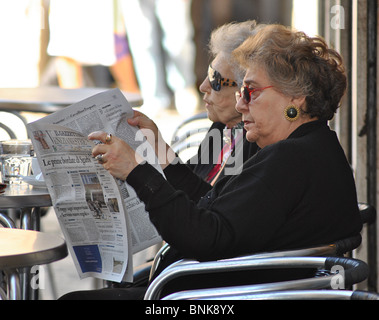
(13, 124)
(354, 271)
(6, 221)
(188, 136)
(8, 131)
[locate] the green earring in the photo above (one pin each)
(292, 113)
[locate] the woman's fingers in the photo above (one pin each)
(143, 122)
(114, 154)
(98, 135)
(102, 148)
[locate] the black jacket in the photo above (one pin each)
(191, 176)
(295, 193)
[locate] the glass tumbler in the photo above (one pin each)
(16, 159)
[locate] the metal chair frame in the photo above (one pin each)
(298, 295)
(184, 139)
(355, 271)
(339, 248)
(7, 129)
(336, 249)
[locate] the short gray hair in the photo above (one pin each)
(225, 39)
(298, 65)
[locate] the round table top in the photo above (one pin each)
(24, 196)
(51, 99)
(26, 248)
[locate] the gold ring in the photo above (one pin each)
(108, 138)
(99, 158)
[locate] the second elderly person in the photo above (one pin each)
(225, 144)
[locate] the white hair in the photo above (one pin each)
(225, 39)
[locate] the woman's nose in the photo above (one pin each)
(205, 86)
(240, 104)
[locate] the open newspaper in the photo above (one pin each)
(101, 217)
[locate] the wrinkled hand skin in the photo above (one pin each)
(118, 157)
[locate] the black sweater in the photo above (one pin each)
(292, 194)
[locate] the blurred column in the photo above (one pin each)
(350, 26)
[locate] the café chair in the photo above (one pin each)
(145, 274)
(337, 249)
(326, 273)
(190, 133)
(16, 120)
(367, 212)
(6, 221)
(8, 131)
(297, 295)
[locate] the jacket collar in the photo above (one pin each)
(307, 127)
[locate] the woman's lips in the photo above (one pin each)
(247, 124)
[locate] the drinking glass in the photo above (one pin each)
(15, 158)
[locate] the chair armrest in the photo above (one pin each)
(354, 270)
(298, 295)
(141, 274)
(367, 212)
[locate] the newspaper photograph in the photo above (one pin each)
(102, 219)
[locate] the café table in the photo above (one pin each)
(25, 249)
(50, 99)
(26, 200)
(29, 200)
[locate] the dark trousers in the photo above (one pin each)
(132, 293)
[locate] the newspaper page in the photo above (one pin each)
(103, 220)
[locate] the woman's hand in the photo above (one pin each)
(115, 155)
(148, 127)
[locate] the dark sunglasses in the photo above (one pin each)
(247, 93)
(217, 81)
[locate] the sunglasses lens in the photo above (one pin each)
(214, 78)
(246, 94)
(215, 84)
